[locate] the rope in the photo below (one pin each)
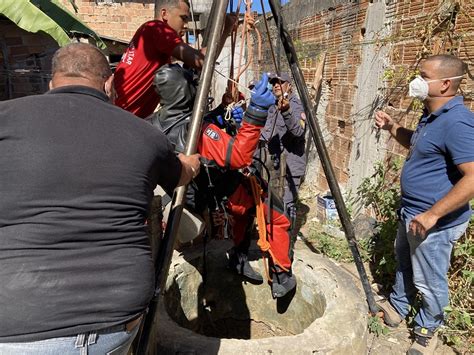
(230, 107)
(263, 243)
(235, 82)
(245, 41)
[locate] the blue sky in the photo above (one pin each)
(257, 6)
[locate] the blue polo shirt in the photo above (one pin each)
(441, 141)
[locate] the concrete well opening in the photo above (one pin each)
(226, 306)
(207, 309)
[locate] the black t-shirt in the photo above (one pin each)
(76, 179)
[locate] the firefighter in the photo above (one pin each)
(221, 184)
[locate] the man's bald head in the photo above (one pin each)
(80, 63)
(447, 66)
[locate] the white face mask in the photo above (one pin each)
(419, 87)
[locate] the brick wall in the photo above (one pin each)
(421, 28)
(112, 18)
(25, 58)
(25, 61)
(342, 32)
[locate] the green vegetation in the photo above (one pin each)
(376, 326)
(48, 16)
(380, 195)
(459, 330)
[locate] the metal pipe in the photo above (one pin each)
(322, 152)
(167, 244)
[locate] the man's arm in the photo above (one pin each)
(190, 168)
(292, 113)
(402, 135)
(195, 58)
(237, 152)
(190, 56)
(458, 196)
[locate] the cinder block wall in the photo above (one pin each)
(373, 50)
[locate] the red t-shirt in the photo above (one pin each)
(150, 48)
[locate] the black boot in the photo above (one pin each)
(282, 282)
(239, 262)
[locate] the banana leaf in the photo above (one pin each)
(47, 16)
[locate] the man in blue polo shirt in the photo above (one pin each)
(437, 183)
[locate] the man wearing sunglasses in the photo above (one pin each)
(437, 183)
(152, 46)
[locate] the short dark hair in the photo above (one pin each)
(169, 3)
(81, 60)
(448, 66)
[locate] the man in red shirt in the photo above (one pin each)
(152, 46)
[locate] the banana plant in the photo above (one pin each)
(47, 16)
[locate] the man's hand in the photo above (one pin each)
(191, 166)
(383, 121)
(387, 123)
(237, 114)
(262, 97)
(422, 223)
(283, 104)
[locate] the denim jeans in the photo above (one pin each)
(422, 266)
(99, 343)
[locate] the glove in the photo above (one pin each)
(262, 97)
(238, 114)
(220, 121)
(260, 101)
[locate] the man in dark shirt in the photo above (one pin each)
(77, 176)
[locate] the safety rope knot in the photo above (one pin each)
(230, 107)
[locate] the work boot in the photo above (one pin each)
(425, 342)
(239, 262)
(282, 282)
(390, 315)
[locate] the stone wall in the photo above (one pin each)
(373, 49)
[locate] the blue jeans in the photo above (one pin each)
(108, 342)
(422, 266)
